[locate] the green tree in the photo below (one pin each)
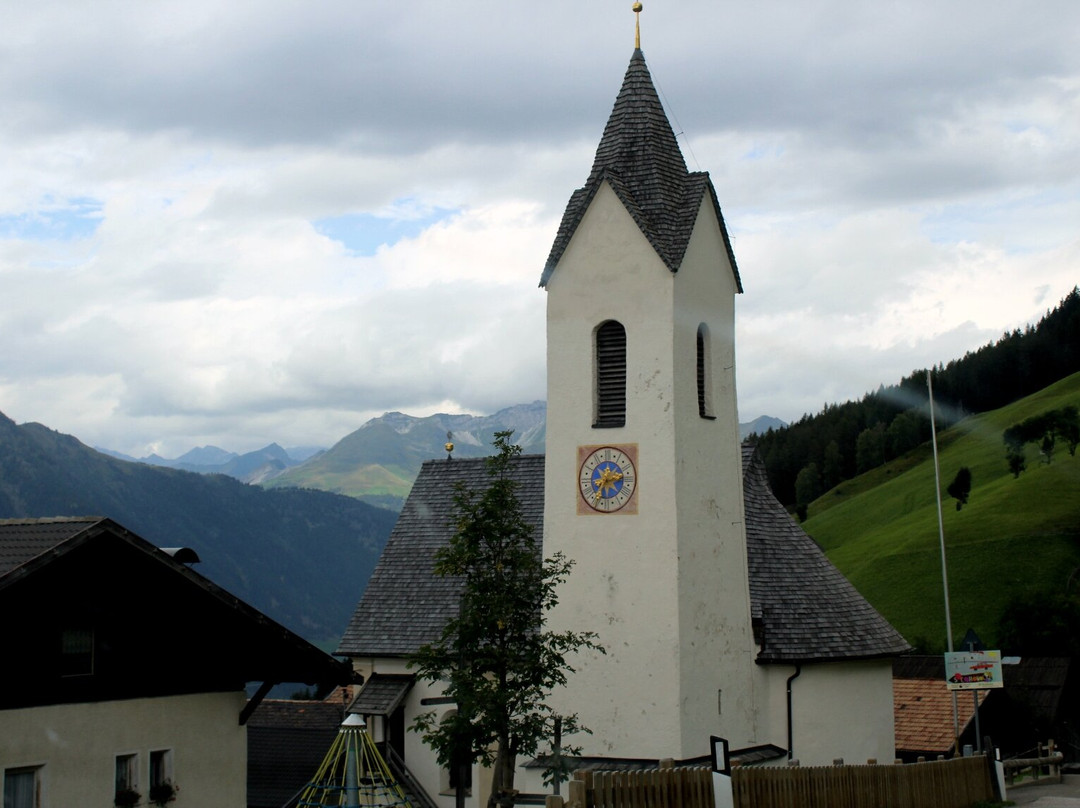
(807, 489)
(832, 468)
(960, 488)
(1043, 429)
(903, 434)
(1040, 624)
(497, 658)
(870, 448)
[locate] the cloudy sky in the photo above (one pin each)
(236, 223)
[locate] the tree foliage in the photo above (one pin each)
(1044, 429)
(960, 488)
(497, 658)
(1040, 624)
(1018, 364)
(807, 489)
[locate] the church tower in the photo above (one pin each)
(643, 485)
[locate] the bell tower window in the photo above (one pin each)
(610, 375)
(704, 393)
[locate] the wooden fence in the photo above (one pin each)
(1045, 765)
(957, 783)
(665, 787)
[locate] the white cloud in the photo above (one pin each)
(902, 184)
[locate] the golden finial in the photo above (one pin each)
(637, 25)
(449, 446)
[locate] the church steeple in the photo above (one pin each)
(640, 158)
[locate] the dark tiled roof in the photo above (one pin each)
(264, 650)
(919, 666)
(382, 693)
(406, 605)
(808, 611)
(287, 742)
(640, 158)
(299, 714)
(22, 540)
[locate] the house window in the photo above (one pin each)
(127, 781)
(22, 787)
(162, 788)
(704, 393)
(77, 652)
(459, 768)
(610, 375)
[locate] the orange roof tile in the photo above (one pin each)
(923, 713)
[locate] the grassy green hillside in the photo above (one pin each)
(1016, 537)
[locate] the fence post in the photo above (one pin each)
(577, 790)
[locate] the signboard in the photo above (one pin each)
(973, 670)
(723, 794)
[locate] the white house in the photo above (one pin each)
(126, 670)
(720, 616)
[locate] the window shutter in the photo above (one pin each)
(704, 394)
(610, 375)
(701, 374)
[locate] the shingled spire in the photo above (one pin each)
(639, 156)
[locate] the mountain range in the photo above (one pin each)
(302, 557)
(251, 467)
(378, 462)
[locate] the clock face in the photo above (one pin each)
(607, 479)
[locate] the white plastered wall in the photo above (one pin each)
(839, 710)
(714, 606)
(665, 589)
(77, 746)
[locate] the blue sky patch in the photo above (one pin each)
(1014, 223)
(74, 219)
(364, 233)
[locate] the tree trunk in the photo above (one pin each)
(502, 779)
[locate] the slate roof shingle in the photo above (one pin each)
(287, 742)
(807, 610)
(263, 648)
(382, 693)
(23, 540)
(405, 605)
(639, 157)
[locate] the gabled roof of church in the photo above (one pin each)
(808, 610)
(804, 609)
(405, 603)
(639, 158)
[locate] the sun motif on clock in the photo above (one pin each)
(607, 479)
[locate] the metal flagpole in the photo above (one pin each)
(941, 537)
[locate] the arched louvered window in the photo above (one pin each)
(610, 375)
(704, 394)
